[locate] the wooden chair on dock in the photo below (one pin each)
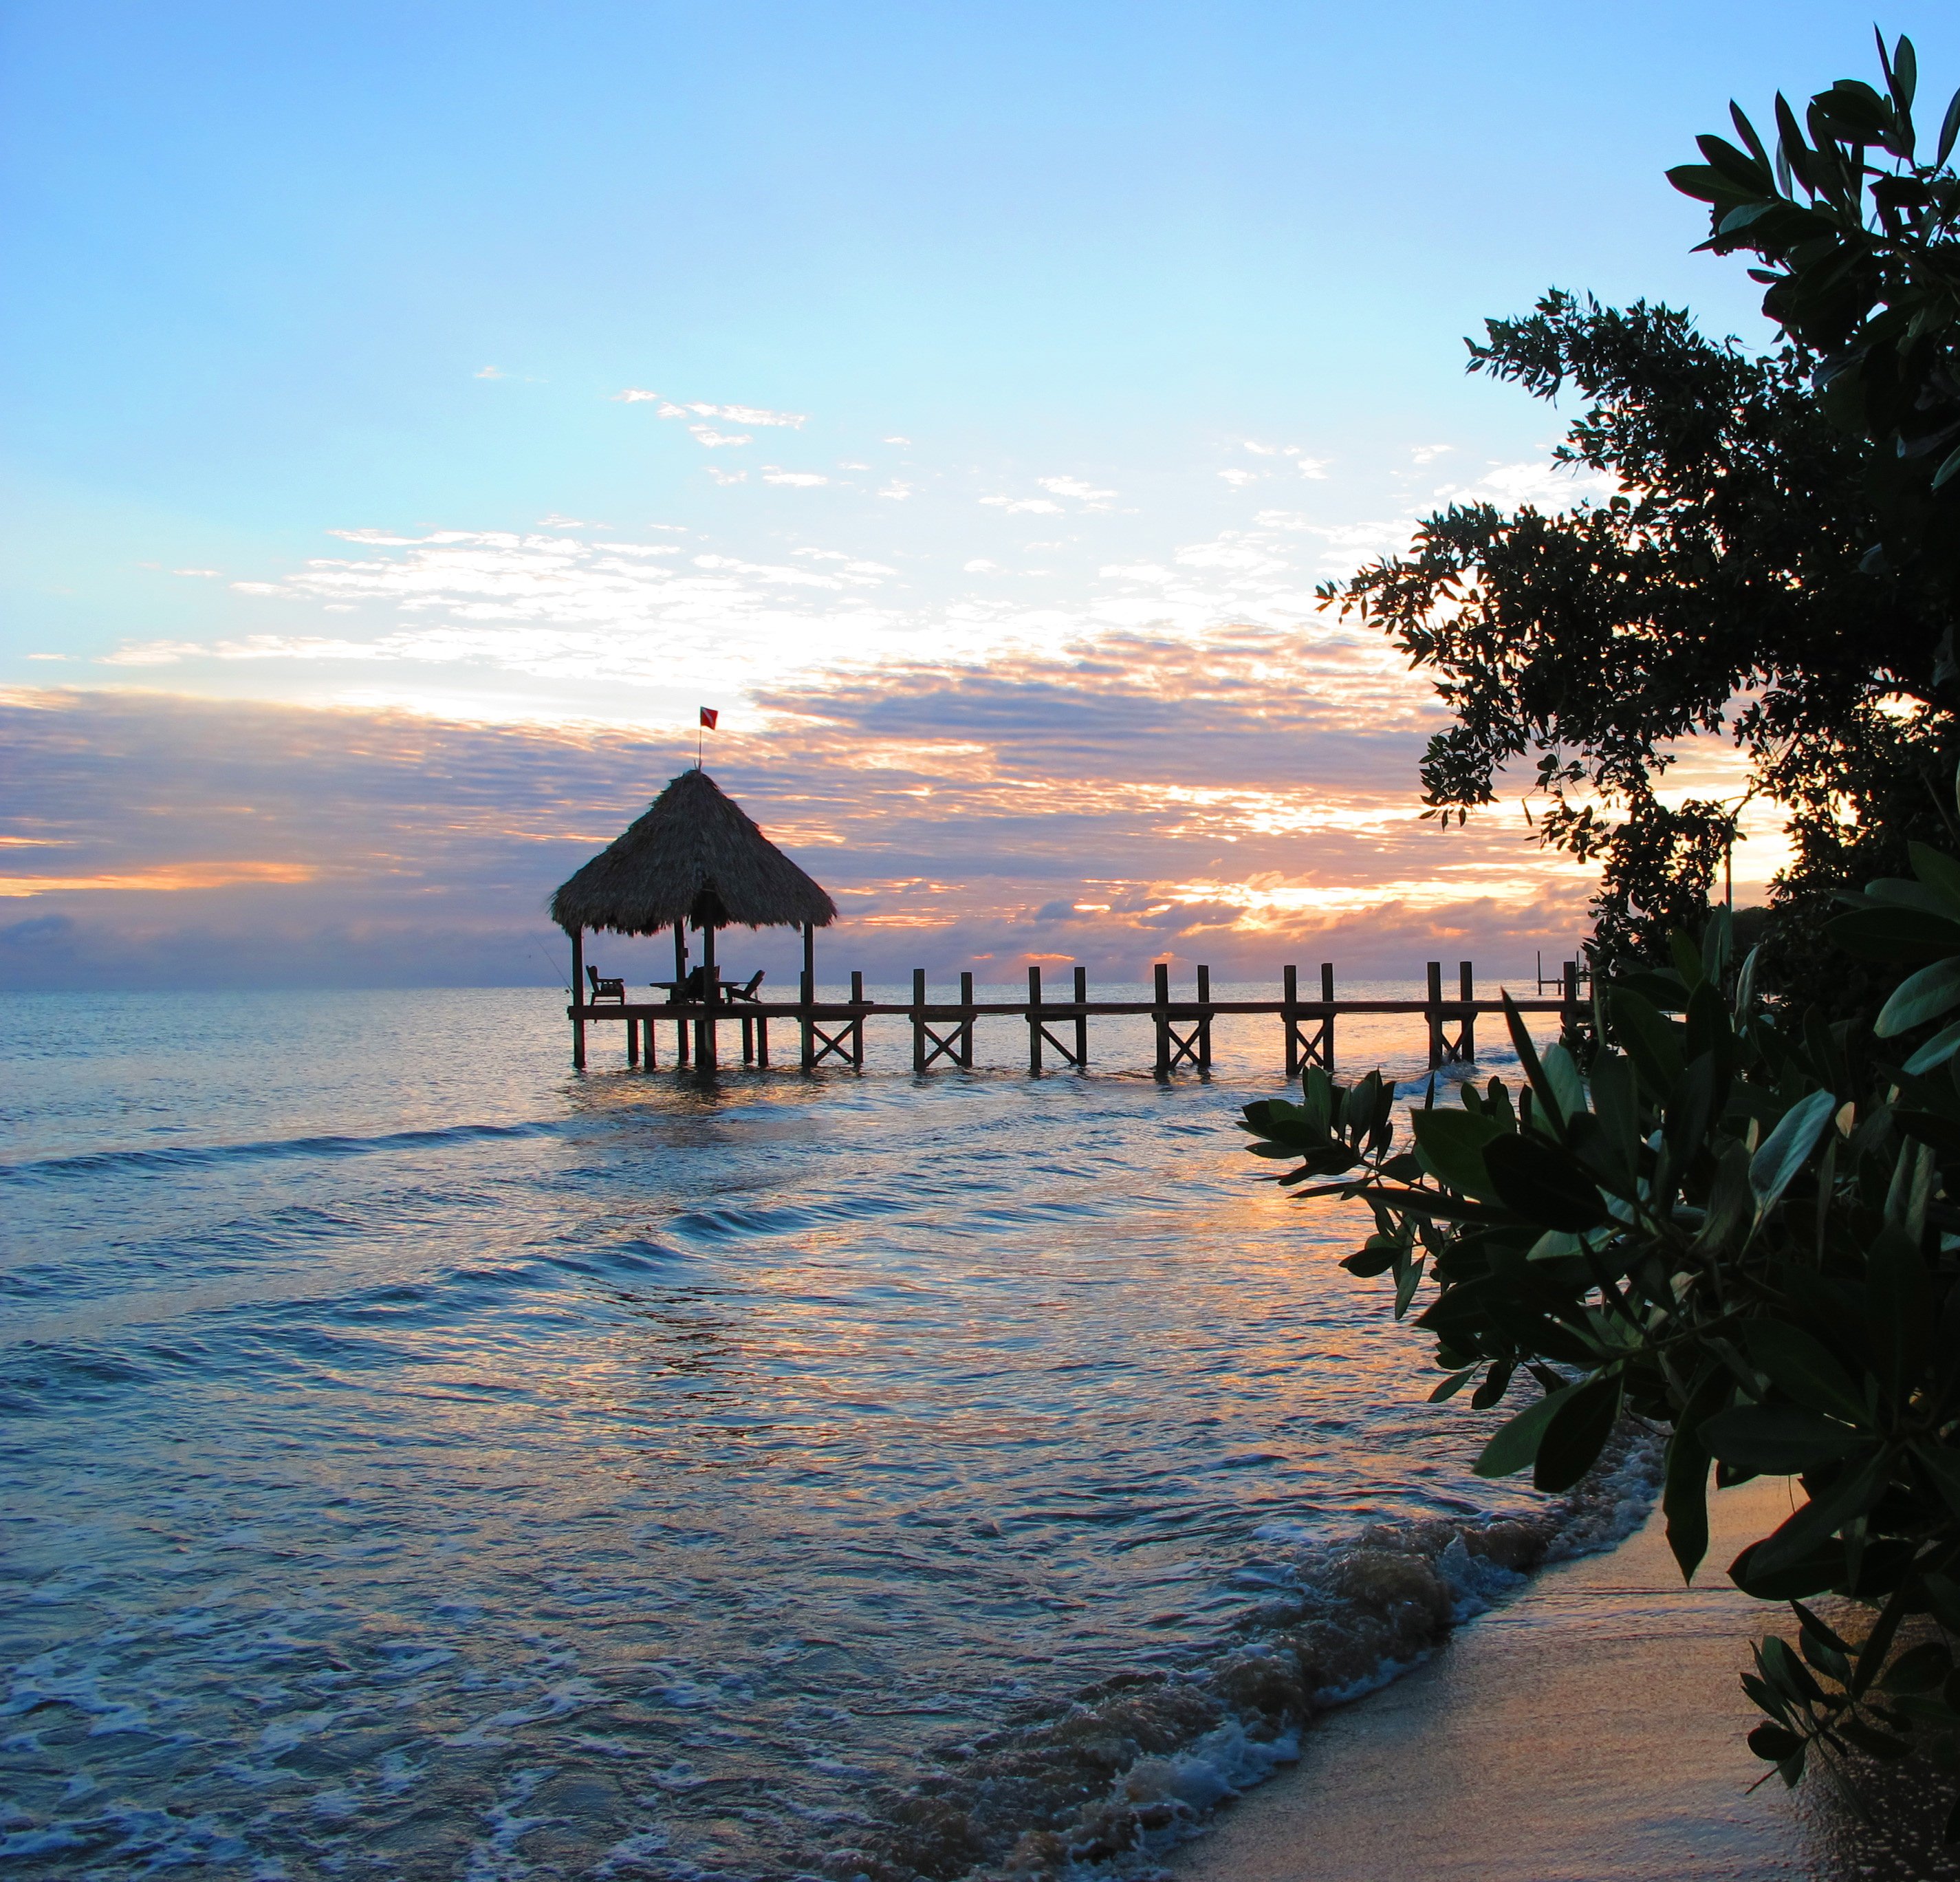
(746, 992)
(606, 988)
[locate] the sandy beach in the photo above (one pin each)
(1591, 1730)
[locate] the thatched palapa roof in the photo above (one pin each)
(694, 857)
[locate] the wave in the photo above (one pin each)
(1135, 1765)
(191, 1156)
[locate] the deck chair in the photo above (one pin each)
(603, 988)
(748, 992)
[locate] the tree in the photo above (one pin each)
(1777, 567)
(1740, 1226)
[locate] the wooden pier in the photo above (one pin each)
(832, 1032)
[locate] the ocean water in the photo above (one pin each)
(420, 1462)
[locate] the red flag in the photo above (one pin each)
(708, 716)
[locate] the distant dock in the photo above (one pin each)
(1056, 1028)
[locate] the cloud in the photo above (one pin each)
(1018, 506)
(1085, 494)
(733, 414)
(1251, 792)
(719, 476)
(206, 574)
(980, 565)
(798, 480)
(897, 491)
(898, 440)
(1428, 453)
(714, 439)
(490, 372)
(1237, 478)
(1316, 467)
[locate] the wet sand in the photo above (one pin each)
(1591, 1730)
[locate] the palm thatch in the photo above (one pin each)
(694, 857)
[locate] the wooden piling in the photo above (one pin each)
(632, 1045)
(578, 999)
(680, 989)
(857, 1021)
(1205, 1019)
(707, 1053)
(808, 1024)
(1081, 1019)
(1466, 988)
(918, 1019)
(1434, 1013)
(966, 1017)
(1034, 1019)
(1161, 1014)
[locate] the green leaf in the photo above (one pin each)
(1894, 934)
(1576, 1434)
(1919, 1668)
(1451, 1144)
(1949, 129)
(1772, 1743)
(1652, 1042)
(1515, 1442)
(1948, 467)
(1935, 1052)
(1921, 997)
(1803, 1368)
(1778, 1441)
(1851, 1494)
(1561, 1070)
(1940, 872)
(1783, 1152)
(1544, 1183)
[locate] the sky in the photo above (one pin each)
(413, 414)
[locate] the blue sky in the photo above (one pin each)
(962, 334)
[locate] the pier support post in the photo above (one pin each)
(1205, 1019)
(1434, 1013)
(1466, 988)
(1081, 1019)
(1445, 1049)
(1034, 1021)
(919, 1020)
(578, 999)
(808, 995)
(1570, 1020)
(632, 1043)
(966, 1022)
(1289, 1017)
(1160, 1002)
(857, 1021)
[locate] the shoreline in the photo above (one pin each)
(1590, 1730)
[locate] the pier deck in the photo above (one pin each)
(829, 1031)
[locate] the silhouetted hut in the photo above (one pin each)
(694, 860)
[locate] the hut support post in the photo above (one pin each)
(578, 999)
(680, 990)
(762, 1040)
(1081, 1019)
(748, 1039)
(705, 1042)
(632, 1043)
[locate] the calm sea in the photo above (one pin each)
(421, 1462)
